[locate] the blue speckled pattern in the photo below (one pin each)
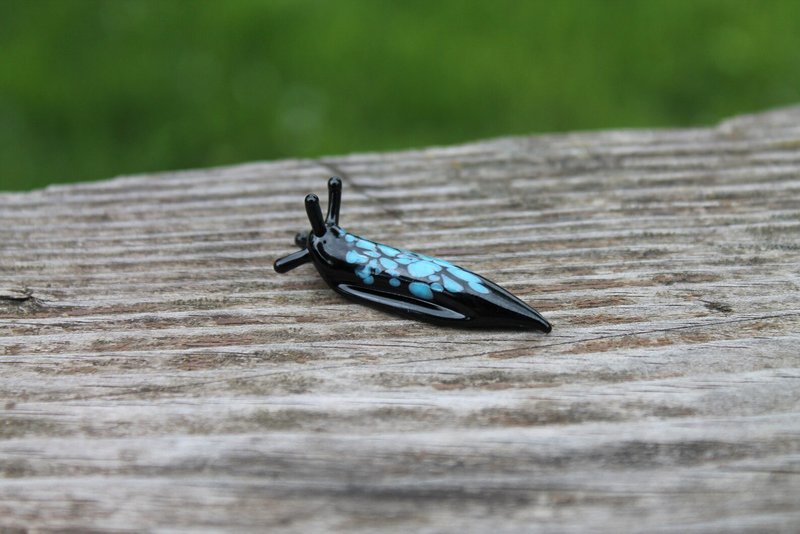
(422, 275)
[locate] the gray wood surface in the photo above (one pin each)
(157, 374)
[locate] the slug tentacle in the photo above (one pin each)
(315, 215)
(334, 200)
(295, 259)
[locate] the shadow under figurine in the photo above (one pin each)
(402, 282)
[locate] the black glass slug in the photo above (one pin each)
(402, 282)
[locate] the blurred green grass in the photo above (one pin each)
(91, 89)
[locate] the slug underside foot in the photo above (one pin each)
(439, 314)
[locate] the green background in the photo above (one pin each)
(92, 89)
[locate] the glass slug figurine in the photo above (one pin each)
(398, 281)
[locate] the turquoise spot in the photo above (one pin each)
(404, 260)
(443, 263)
(355, 257)
(349, 238)
(364, 271)
(394, 282)
(418, 289)
(393, 272)
(434, 278)
(388, 264)
(372, 253)
(363, 243)
(369, 280)
(464, 275)
(421, 269)
(436, 286)
(480, 288)
(389, 251)
(451, 285)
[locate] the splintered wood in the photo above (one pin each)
(157, 374)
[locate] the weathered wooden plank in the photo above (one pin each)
(157, 374)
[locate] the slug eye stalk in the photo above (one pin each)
(334, 200)
(315, 215)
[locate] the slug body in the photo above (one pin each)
(400, 281)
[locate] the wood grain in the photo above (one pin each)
(157, 374)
